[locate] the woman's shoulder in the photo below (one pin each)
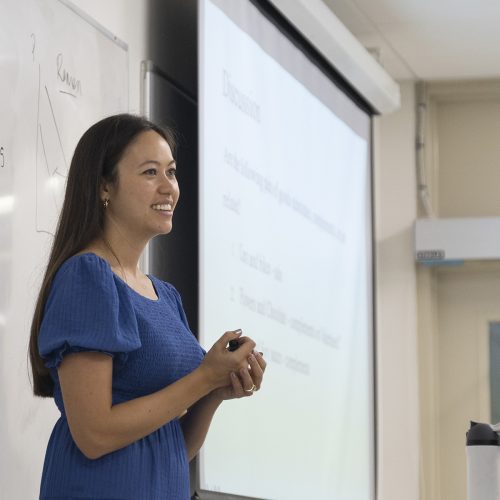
(85, 310)
(167, 290)
(86, 265)
(84, 281)
(165, 285)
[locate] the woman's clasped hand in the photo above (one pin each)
(234, 374)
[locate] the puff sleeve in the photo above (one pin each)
(86, 311)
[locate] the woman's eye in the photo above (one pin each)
(150, 171)
(172, 172)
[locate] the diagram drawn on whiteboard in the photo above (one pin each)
(51, 163)
(74, 85)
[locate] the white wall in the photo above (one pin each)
(468, 131)
(457, 304)
(396, 210)
(468, 300)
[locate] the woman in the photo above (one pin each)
(112, 345)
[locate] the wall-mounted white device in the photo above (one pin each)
(450, 240)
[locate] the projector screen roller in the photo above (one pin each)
(285, 255)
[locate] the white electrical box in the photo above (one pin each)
(457, 240)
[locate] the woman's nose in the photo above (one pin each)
(167, 184)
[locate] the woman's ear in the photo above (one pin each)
(104, 191)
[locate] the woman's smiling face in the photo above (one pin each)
(143, 199)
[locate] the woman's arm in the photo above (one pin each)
(196, 422)
(98, 427)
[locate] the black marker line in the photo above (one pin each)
(44, 153)
(36, 160)
(34, 45)
(69, 93)
(44, 231)
(57, 128)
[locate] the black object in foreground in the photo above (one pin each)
(233, 345)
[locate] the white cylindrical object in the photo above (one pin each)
(483, 472)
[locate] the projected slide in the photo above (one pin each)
(285, 238)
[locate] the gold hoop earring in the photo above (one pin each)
(105, 203)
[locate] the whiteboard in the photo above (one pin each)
(60, 72)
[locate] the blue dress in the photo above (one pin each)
(90, 308)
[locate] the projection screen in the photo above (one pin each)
(285, 255)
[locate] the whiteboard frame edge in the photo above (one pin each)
(96, 24)
(146, 67)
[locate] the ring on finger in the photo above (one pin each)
(253, 388)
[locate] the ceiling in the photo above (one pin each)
(427, 39)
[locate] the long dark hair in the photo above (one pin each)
(82, 216)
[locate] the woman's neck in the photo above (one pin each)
(122, 254)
